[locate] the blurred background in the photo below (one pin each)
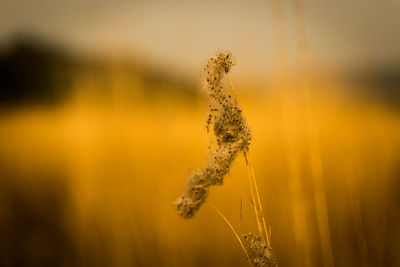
(102, 118)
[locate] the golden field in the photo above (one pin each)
(91, 182)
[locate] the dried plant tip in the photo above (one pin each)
(231, 132)
(260, 254)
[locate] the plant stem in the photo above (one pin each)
(252, 177)
(233, 230)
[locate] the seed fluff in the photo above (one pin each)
(231, 132)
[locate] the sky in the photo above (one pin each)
(341, 33)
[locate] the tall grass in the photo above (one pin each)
(232, 136)
(114, 167)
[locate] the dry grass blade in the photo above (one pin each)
(233, 230)
(252, 178)
(253, 199)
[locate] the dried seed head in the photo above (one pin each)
(259, 253)
(231, 132)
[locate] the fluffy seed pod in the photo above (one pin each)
(259, 253)
(231, 132)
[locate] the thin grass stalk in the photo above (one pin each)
(253, 178)
(233, 230)
(253, 199)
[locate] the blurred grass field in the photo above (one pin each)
(90, 182)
